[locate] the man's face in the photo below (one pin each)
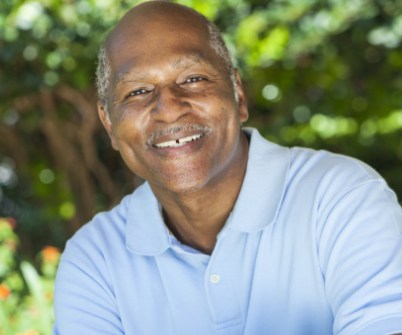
(173, 116)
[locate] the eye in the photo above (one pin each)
(137, 92)
(194, 79)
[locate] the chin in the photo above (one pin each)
(183, 184)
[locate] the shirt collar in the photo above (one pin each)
(256, 206)
(263, 186)
(146, 232)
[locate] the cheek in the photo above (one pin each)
(128, 124)
(228, 115)
(123, 137)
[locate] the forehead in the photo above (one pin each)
(143, 68)
(158, 25)
(143, 41)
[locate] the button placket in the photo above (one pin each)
(220, 292)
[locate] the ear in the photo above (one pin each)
(107, 124)
(242, 103)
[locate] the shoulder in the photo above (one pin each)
(339, 185)
(308, 180)
(104, 224)
(306, 162)
(320, 170)
(103, 234)
(307, 169)
(323, 162)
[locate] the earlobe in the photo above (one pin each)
(242, 103)
(107, 124)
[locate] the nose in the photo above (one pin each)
(170, 104)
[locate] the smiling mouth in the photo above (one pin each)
(178, 142)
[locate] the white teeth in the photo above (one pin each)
(179, 142)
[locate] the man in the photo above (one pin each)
(230, 234)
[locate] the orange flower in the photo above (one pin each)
(5, 292)
(50, 254)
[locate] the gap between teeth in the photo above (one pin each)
(179, 142)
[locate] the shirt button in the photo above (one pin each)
(215, 279)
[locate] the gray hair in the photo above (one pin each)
(103, 70)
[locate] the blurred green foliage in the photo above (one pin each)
(26, 294)
(324, 74)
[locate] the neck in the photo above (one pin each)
(197, 216)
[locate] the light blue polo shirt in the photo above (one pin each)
(313, 246)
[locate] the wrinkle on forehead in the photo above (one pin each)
(130, 71)
(188, 60)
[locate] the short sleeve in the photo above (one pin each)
(360, 251)
(84, 300)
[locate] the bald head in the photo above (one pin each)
(171, 15)
(148, 22)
